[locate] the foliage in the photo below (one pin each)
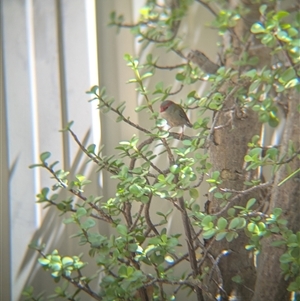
(138, 244)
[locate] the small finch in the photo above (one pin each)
(174, 114)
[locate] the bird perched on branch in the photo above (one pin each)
(174, 114)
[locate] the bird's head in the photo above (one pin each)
(165, 105)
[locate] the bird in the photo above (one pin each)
(174, 114)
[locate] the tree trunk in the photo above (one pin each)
(270, 284)
(227, 155)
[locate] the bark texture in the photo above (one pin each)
(270, 284)
(227, 155)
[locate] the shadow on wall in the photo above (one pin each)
(56, 235)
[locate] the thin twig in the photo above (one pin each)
(169, 67)
(126, 120)
(239, 193)
(176, 92)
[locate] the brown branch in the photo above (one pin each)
(139, 147)
(176, 92)
(94, 159)
(241, 193)
(203, 62)
(74, 210)
(168, 67)
(127, 213)
(126, 120)
(100, 211)
(207, 6)
(289, 159)
(287, 55)
(103, 215)
(148, 219)
(188, 233)
(137, 218)
(84, 288)
(177, 261)
(216, 118)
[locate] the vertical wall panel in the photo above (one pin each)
(38, 67)
(20, 138)
(5, 282)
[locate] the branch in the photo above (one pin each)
(93, 158)
(137, 218)
(289, 159)
(287, 55)
(84, 288)
(148, 219)
(77, 284)
(168, 67)
(211, 132)
(191, 250)
(206, 5)
(240, 193)
(203, 62)
(121, 115)
(138, 151)
(103, 215)
(176, 92)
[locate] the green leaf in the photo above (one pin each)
(175, 169)
(135, 189)
(207, 219)
(194, 193)
(67, 127)
(81, 212)
(35, 165)
(230, 236)
(253, 228)
(147, 74)
(286, 258)
(287, 75)
(273, 120)
(237, 279)
(180, 77)
(218, 195)
(251, 73)
(67, 261)
(220, 236)
(44, 261)
(91, 148)
(258, 28)
(278, 211)
(278, 243)
(294, 286)
(209, 234)
(248, 158)
(283, 36)
(122, 272)
(292, 83)
(231, 212)
(262, 9)
(289, 177)
(89, 223)
(44, 156)
(122, 229)
(250, 203)
(222, 223)
(280, 15)
(234, 223)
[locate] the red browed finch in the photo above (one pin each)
(174, 114)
